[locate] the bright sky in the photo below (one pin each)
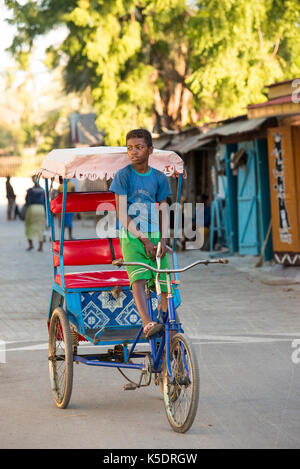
(7, 33)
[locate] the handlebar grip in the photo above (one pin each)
(223, 261)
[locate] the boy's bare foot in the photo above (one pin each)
(152, 328)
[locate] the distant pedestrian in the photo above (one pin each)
(11, 200)
(35, 215)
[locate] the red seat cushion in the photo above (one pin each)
(84, 202)
(88, 251)
(105, 278)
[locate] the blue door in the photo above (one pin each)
(248, 222)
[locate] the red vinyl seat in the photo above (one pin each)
(88, 251)
(84, 202)
(101, 279)
(91, 252)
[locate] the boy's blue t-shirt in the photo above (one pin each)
(142, 191)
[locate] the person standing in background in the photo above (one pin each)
(35, 215)
(11, 200)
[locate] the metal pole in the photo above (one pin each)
(62, 233)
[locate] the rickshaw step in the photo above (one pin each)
(113, 333)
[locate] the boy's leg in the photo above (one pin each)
(140, 299)
(30, 245)
(134, 251)
(138, 290)
(164, 301)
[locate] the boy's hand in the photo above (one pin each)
(150, 248)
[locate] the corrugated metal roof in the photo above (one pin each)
(184, 144)
(189, 144)
(162, 142)
(241, 127)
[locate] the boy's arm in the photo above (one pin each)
(128, 223)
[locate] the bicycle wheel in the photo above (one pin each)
(182, 395)
(60, 358)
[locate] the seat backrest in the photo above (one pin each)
(88, 251)
(84, 202)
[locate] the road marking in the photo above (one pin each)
(203, 339)
(207, 339)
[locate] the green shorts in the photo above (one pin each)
(133, 251)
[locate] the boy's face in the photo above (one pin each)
(138, 150)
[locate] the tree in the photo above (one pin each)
(131, 54)
(165, 63)
(239, 47)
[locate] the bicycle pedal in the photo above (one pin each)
(129, 387)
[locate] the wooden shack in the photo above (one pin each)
(284, 167)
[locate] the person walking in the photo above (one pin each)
(35, 215)
(11, 200)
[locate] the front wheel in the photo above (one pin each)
(60, 358)
(181, 395)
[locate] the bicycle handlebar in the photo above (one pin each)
(120, 263)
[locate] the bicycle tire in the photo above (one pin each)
(181, 397)
(60, 358)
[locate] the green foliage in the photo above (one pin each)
(238, 48)
(153, 62)
(10, 139)
(49, 136)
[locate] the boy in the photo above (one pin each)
(143, 186)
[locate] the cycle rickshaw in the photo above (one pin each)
(97, 307)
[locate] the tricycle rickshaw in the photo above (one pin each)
(98, 306)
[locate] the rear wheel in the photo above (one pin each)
(181, 396)
(60, 358)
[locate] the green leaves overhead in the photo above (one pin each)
(238, 48)
(165, 63)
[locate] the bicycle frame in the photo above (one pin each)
(157, 346)
(170, 321)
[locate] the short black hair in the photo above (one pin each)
(140, 133)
